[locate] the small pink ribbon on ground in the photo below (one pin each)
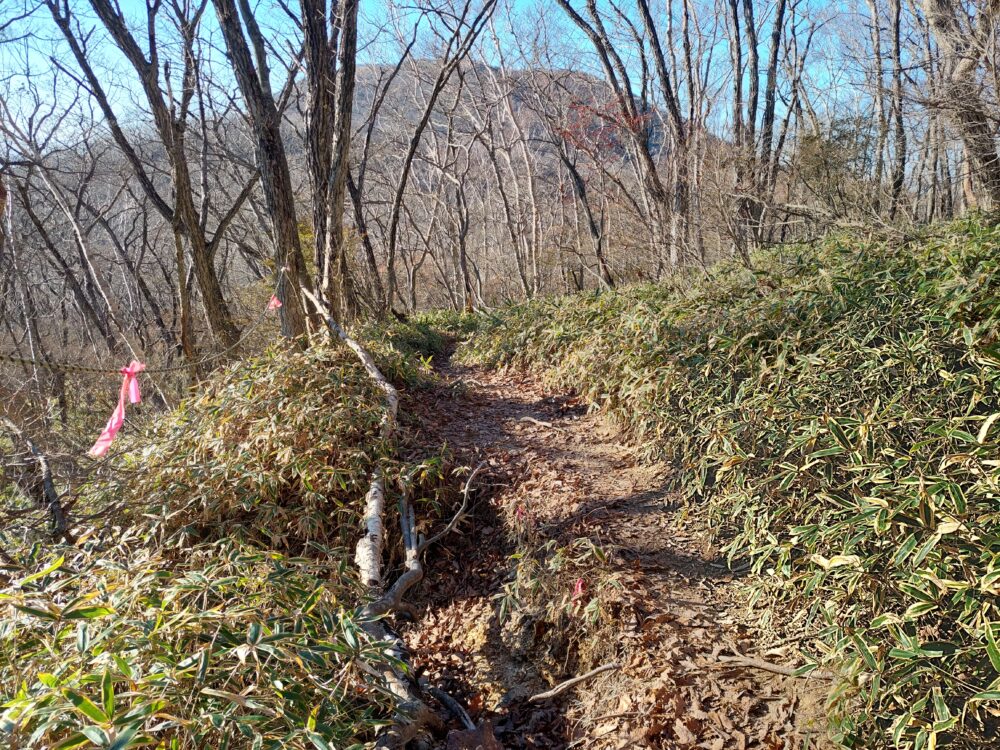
(130, 390)
(275, 303)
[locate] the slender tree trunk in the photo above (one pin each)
(254, 82)
(596, 235)
(899, 135)
(335, 276)
(880, 113)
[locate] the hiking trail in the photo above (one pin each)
(565, 474)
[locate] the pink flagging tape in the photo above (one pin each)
(130, 390)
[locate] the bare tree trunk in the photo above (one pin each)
(899, 163)
(171, 122)
(335, 277)
(878, 87)
(596, 235)
(960, 58)
(188, 345)
(254, 79)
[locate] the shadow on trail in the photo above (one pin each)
(570, 477)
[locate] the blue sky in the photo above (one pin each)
(515, 24)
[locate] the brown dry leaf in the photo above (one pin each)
(475, 739)
(683, 734)
(655, 730)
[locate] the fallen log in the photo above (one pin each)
(368, 552)
(412, 714)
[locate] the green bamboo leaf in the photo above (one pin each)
(87, 613)
(312, 600)
(941, 710)
(41, 614)
(82, 637)
(839, 433)
(905, 549)
(866, 654)
(108, 694)
(925, 549)
(48, 679)
(86, 707)
(899, 726)
(73, 741)
(125, 737)
(318, 742)
(96, 735)
(311, 721)
(203, 660)
(920, 608)
(992, 649)
(351, 637)
(56, 564)
(123, 666)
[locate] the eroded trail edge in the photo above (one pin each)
(577, 555)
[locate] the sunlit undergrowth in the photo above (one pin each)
(404, 349)
(838, 412)
(211, 601)
(225, 647)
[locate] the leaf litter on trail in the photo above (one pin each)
(567, 505)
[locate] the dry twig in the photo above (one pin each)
(766, 666)
(541, 423)
(562, 687)
(458, 516)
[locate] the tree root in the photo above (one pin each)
(454, 706)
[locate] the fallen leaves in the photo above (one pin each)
(672, 613)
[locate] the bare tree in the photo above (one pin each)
(171, 115)
(253, 73)
(963, 41)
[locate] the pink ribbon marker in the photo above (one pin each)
(130, 388)
(275, 303)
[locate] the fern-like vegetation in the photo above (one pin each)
(838, 412)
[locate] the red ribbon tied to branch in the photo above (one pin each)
(130, 389)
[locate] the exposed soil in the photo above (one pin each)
(672, 610)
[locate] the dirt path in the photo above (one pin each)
(607, 574)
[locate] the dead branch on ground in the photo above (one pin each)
(562, 687)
